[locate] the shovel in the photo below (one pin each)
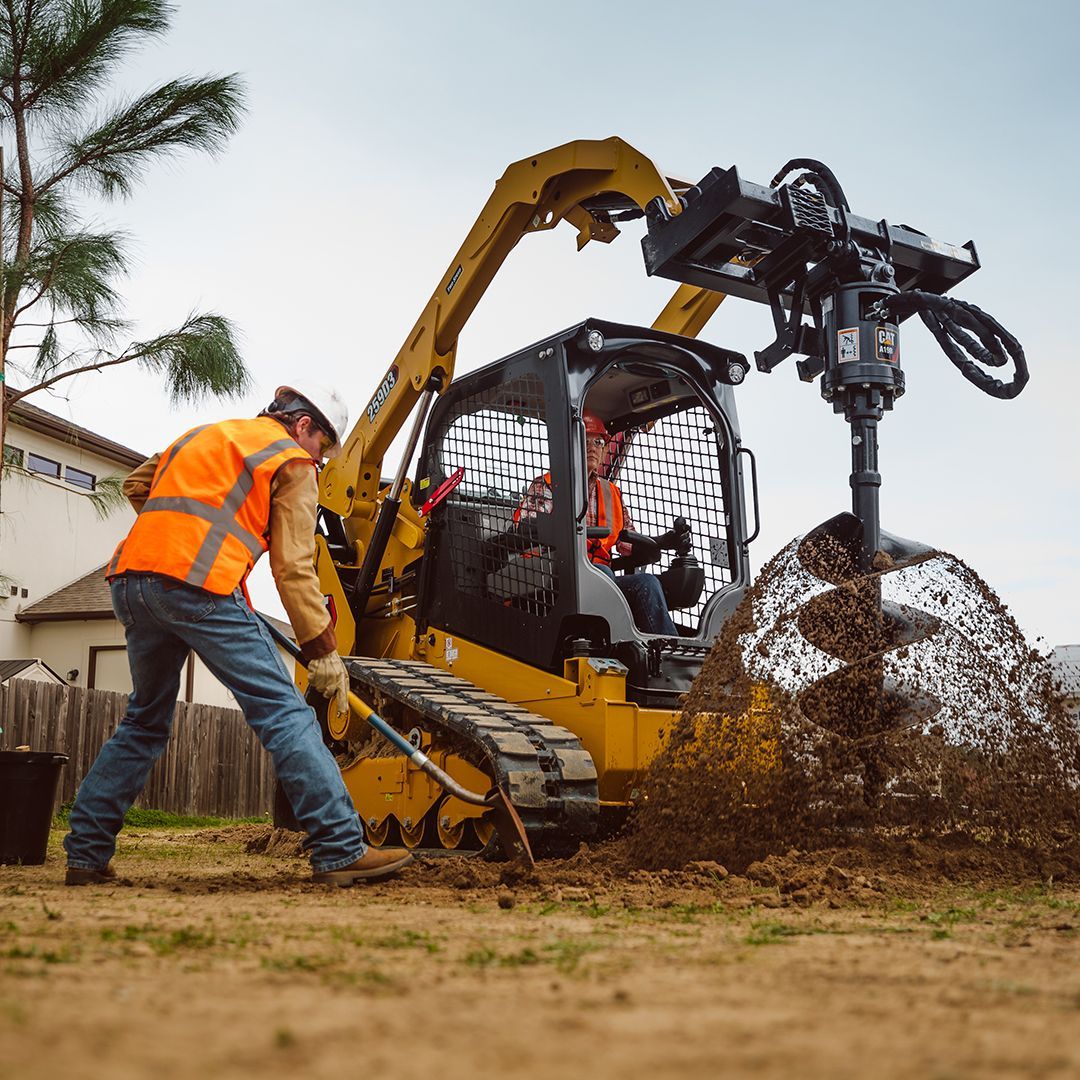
(507, 822)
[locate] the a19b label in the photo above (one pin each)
(886, 345)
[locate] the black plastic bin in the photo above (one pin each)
(28, 782)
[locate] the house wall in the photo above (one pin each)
(65, 646)
(51, 534)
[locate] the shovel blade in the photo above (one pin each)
(509, 828)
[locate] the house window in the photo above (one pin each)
(79, 478)
(45, 466)
(13, 456)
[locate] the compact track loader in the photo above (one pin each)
(487, 636)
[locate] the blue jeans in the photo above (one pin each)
(645, 596)
(163, 621)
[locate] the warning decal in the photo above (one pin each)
(847, 345)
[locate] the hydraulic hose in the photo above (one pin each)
(949, 320)
(817, 172)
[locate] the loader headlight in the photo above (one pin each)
(736, 373)
(595, 340)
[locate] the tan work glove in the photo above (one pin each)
(327, 676)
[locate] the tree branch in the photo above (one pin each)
(46, 281)
(100, 365)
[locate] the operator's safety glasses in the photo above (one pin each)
(597, 440)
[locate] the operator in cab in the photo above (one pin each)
(207, 508)
(644, 592)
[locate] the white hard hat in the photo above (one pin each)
(333, 415)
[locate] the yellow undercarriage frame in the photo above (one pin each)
(744, 746)
(622, 738)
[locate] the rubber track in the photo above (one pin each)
(550, 777)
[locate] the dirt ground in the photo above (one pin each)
(213, 957)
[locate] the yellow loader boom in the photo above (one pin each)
(533, 195)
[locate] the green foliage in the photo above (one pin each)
(944, 921)
(163, 942)
(65, 141)
(108, 495)
(68, 48)
(138, 818)
(771, 933)
(198, 359)
(184, 114)
(563, 954)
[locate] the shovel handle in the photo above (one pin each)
(366, 712)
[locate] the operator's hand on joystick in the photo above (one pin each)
(678, 538)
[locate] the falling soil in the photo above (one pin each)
(876, 714)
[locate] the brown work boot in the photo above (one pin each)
(377, 863)
(76, 876)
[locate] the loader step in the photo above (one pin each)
(551, 780)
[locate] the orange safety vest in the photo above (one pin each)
(207, 517)
(609, 510)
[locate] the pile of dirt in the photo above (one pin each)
(879, 710)
(266, 840)
(867, 870)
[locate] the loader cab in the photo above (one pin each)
(506, 562)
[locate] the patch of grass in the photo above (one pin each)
(771, 933)
(407, 939)
(567, 953)
(1044, 895)
(292, 964)
(688, 913)
(944, 921)
(564, 955)
(47, 956)
(894, 905)
(163, 943)
(524, 958)
(139, 818)
(481, 958)
(284, 1038)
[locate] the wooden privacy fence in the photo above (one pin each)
(213, 765)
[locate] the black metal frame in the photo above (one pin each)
(802, 255)
(581, 607)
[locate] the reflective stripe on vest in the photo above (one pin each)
(609, 512)
(172, 547)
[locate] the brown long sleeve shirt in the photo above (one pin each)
(294, 496)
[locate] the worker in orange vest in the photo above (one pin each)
(208, 507)
(644, 593)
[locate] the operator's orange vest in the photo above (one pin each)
(609, 511)
(208, 513)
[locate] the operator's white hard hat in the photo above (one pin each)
(333, 415)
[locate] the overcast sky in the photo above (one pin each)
(376, 132)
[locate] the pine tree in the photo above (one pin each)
(59, 295)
